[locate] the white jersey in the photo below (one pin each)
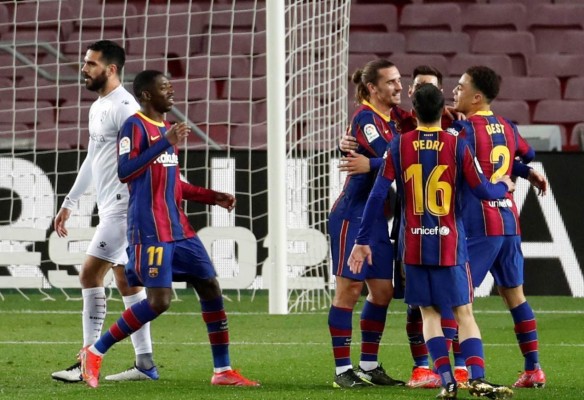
(106, 116)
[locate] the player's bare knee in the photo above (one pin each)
(159, 299)
(207, 289)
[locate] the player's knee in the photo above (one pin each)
(207, 289)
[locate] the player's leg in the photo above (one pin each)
(422, 375)
(373, 317)
(450, 329)
(340, 322)
(348, 287)
(91, 277)
(144, 367)
(193, 265)
(149, 264)
(508, 274)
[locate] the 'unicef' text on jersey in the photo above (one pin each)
(502, 203)
(422, 230)
(167, 160)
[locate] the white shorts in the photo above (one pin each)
(109, 241)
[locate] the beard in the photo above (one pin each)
(97, 83)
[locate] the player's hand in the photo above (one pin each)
(354, 163)
(348, 143)
(59, 223)
(178, 132)
(539, 181)
(225, 200)
(508, 181)
(454, 115)
(359, 253)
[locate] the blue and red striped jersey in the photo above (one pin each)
(429, 166)
(148, 163)
(496, 142)
(373, 131)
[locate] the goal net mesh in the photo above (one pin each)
(215, 55)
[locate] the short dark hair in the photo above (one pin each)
(428, 70)
(428, 102)
(368, 74)
(144, 81)
(485, 80)
(111, 52)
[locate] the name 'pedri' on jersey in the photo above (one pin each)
(496, 142)
(149, 164)
(429, 166)
(373, 131)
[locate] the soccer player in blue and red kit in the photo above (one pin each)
(163, 247)
(429, 166)
(494, 241)
(378, 88)
(422, 375)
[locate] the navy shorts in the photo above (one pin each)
(157, 265)
(500, 255)
(343, 234)
(438, 285)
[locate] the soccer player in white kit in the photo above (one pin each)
(103, 63)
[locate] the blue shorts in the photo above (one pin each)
(438, 286)
(501, 255)
(157, 265)
(343, 234)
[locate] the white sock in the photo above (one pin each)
(93, 316)
(368, 365)
(344, 368)
(141, 338)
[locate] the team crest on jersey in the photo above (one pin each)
(370, 132)
(124, 146)
(153, 272)
(452, 131)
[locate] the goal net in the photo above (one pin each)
(215, 55)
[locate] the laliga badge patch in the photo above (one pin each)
(370, 132)
(124, 146)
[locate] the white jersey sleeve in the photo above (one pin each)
(81, 183)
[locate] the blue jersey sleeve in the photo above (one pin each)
(132, 158)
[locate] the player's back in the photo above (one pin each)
(496, 142)
(373, 132)
(428, 164)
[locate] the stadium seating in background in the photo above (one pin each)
(514, 110)
(407, 62)
(373, 17)
(556, 16)
(518, 45)
(570, 41)
(530, 88)
(432, 16)
(543, 137)
(559, 65)
(559, 111)
(246, 137)
(45, 17)
(501, 63)
(437, 42)
(575, 90)
(504, 16)
(380, 43)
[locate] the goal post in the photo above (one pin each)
(262, 83)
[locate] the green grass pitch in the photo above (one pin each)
(290, 355)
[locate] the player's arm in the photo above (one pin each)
(207, 196)
(355, 163)
(132, 159)
(80, 186)
(374, 207)
(478, 183)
